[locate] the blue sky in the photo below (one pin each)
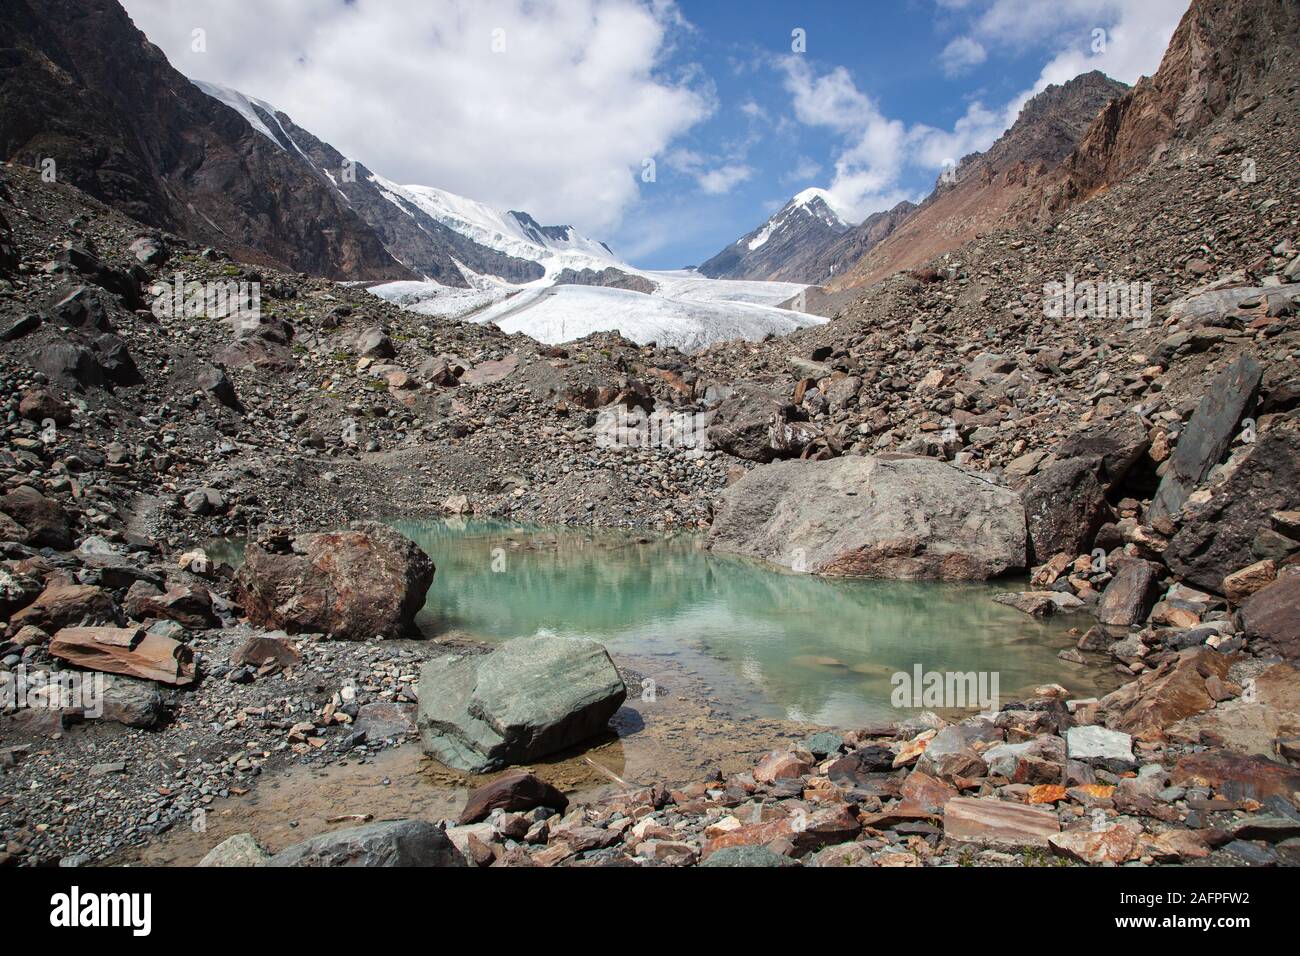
(557, 106)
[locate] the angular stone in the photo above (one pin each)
(527, 698)
(514, 792)
(1271, 618)
(1220, 539)
(240, 850)
(908, 519)
(44, 519)
(405, 843)
(1065, 504)
(1114, 844)
(63, 604)
(1100, 747)
(757, 425)
(263, 648)
(131, 652)
(131, 701)
(1171, 692)
(1208, 434)
(1236, 777)
(781, 765)
(381, 719)
(191, 607)
(747, 856)
(1240, 585)
(1130, 595)
(988, 820)
(351, 585)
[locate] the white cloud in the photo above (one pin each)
(557, 123)
(960, 55)
(879, 152)
(724, 179)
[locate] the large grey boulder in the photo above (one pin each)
(390, 843)
(905, 519)
(1208, 435)
(530, 697)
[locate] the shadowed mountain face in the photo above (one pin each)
(132, 131)
(986, 185)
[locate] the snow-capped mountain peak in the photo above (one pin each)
(808, 220)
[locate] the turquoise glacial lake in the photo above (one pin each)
(768, 642)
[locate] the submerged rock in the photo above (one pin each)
(528, 698)
(908, 519)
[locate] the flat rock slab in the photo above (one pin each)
(1208, 435)
(528, 698)
(129, 651)
(908, 519)
(992, 821)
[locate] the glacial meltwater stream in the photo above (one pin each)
(774, 644)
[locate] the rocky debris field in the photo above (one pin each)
(1143, 470)
(1031, 786)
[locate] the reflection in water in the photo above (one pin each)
(779, 644)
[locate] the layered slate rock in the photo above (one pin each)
(1208, 435)
(903, 519)
(405, 843)
(1130, 595)
(528, 698)
(1221, 538)
(1271, 618)
(994, 822)
(1065, 504)
(129, 651)
(350, 585)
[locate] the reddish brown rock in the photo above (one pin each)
(514, 792)
(350, 585)
(1130, 596)
(992, 821)
(128, 651)
(191, 607)
(1271, 618)
(1115, 844)
(1236, 777)
(262, 649)
(63, 604)
(1240, 585)
(782, 765)
(1174, 690)
(43, 518)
